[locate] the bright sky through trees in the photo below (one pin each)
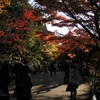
(61, 30)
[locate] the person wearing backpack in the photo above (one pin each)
(23, 83)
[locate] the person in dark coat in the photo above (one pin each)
(46, 71)
(52, 68)
(73, 81)
(23, 83)
(66, 72)
(4, 81)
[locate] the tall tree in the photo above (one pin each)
(17, 26)
(80, 14)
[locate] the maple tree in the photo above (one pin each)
(81, 17)
(50, 50)
(68, 43)
(82, 14)
(49, 45)
(21, 25)
(17, 27)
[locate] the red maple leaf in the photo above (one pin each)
(20, 23)
(16, 37)
(1, 34)
(29, 14)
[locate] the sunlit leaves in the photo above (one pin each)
(78, 39)
(71, 55)
(59, 16)
(82, 14)
(19, 23)
(3, 4)
(50, 50)
(72, 41)
(15, 32)
(49, 43)
(30, 15)
(48, 36)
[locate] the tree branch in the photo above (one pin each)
(92, 35)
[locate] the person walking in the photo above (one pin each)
(46, 71)
(4, 81)
(66, 72)
(23, 83)
(52, 68)
(73, 81)
(85, 71)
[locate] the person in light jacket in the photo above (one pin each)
(73, 81)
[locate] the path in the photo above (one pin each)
(54, 90)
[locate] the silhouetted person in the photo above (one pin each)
(52, 68)
(4, 81)
(66, 72)
(73, 81)
(55, 67)
(46, 71)
(23, 83)
(85, 71)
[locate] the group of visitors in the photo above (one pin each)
(72, 76)
(23, 83)
(49, 68)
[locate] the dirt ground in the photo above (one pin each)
(54, 89)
